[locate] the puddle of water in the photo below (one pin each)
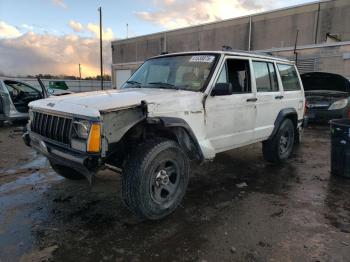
(31, 180)
(16, 211)
(37, 163)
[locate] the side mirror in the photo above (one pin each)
(222, 89)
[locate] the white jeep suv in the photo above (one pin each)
(174, 108)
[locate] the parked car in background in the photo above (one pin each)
(327, 96)
(15, 97)
(58, 88)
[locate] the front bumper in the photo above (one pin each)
(86, 164)
(324, 115)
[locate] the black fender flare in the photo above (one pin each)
(283, 114)
(176, 125)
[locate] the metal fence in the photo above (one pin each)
(74, 85)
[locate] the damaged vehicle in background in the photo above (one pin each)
(14, 99)
(58, 88)
(327, 96)
(175, 108)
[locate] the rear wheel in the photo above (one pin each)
(67, 172)
(280, 147)
(155, 179)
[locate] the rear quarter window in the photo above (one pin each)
(289, 77)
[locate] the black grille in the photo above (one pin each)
(54, 127)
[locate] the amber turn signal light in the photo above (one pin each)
(94, 141)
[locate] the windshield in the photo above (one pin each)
(187, 72)
(15, 87)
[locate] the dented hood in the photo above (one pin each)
(93, 103)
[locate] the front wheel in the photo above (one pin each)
(279, 148)
(155, 179)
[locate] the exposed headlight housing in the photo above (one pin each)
(86, 136)
(340, 104)
(81, 129)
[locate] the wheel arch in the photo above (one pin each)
(184, 136)
(171, 128)
(287, 113)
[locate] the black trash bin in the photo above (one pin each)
(340, 152)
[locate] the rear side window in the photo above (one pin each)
(289, 77)
(265, 77)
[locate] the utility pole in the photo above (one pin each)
(79, 77)
(79, 72)
(127, 31)
(101, 59)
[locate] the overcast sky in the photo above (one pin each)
(54, 36)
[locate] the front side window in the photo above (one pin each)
(265, 77)
(289, 77)
(187, 72)
(236, 72)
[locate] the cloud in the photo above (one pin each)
(76, 26)
(180, 13)
(8, 31)
(27, 27)
(95, 30)
(32, 53)
(59, 3)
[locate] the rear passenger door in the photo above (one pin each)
(292, 89)
(269, 95)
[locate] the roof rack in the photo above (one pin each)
(266, 54)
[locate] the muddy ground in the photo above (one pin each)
(293, 212)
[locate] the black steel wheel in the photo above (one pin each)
(279, 148)
(155, 179)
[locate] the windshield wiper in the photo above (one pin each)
(163, 85)
(134, 83)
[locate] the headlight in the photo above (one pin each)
(339, 104)
(81, 129)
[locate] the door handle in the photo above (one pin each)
(252, 99)
(279, 97)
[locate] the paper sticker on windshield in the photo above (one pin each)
(202, 59)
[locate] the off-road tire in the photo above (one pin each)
(272, 147)
(2, 123)
(67, 172)
(140, 175)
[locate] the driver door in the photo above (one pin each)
(231, 118)
(4, 102)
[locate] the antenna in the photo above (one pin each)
(295, 47)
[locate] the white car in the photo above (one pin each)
(174, 108)
(14, 99)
